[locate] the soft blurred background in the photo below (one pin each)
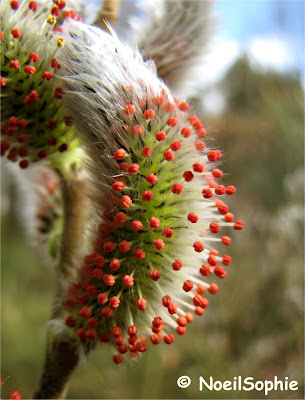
(249, 92)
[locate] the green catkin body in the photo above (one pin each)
(157, 201)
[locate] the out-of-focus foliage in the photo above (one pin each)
(254, 325)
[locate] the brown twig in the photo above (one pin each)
(62, 353)
(110, 12)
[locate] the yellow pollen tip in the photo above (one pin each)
(60, 42)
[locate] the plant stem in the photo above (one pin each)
(110, 12)
(62, 353)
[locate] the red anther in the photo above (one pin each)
(51, 124)
(157, 330)
(63, 147)
(192, 217)
(199, 310)
(212, 260)
(212, 156)
(22, 138)
(160, 136)
(197, 167)
(213, 289)
(157, 322)
(14, 64)
(159, 244)
(222, 208)
(85, 312)
(125, 201)
(52, 141)
(147, 195)
(107, 312)
(154, 275)
(201, 132)
(167, 232)
(58, 29)
(152, 179)
(15, 395)
(109, 280)
(128, 280)
(198, 246)
(200, 289)
(133, 169)
(123, 349)
(92, 322)
(3, 81)
(139, 254)
(212, 183)
(186, 132)
(82, 299)
(23, 152)
(98, 273)
(137, 130)
(4, 147)
(70, 321)
(158, 100)
(58, 93)
(109, 247)
(136, 225)
(133, 340)
(220, 189)
(226, 260)
(188, 286)
(189, 317)
(114, 302)
(91, 334)
(175, 146)
(132, 330)
(149, 114)
(217, 173)
(169, 107)
(156, 338)
(177, 188)
(220, 272)
(141, 304)
(207, 193)
(146, 152)
(182, 321)
(55, 64)
(118, 186)
(14, 5)
(181, 330)
(172, 121)
(33, 6)
(154, 222)
(205, 270)
(119, 219)
(184, 106)
(198, 300)
(188, 176)
(172, 308)
(141, 346)
(120, 154)
(81, 333)
(218, 154)
(238, 225)
(124, 166)
(30, 70)
(105, 338)
(42, 154)
(168, 155)
(169, 339)
(229, 217)
(61, 4)
(214, 227)
(56, 11)
(92, 290)
(130, 109)
(166, 300)
(13, 154)
(1, 35)
(124, 246)
(12, 122)
(16, 33)
(230, 190)
(115, 264)
(118, 358)
(102, 298)
(226, 240)
(200, 146)
(177, 265)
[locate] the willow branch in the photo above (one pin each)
(110, 12)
